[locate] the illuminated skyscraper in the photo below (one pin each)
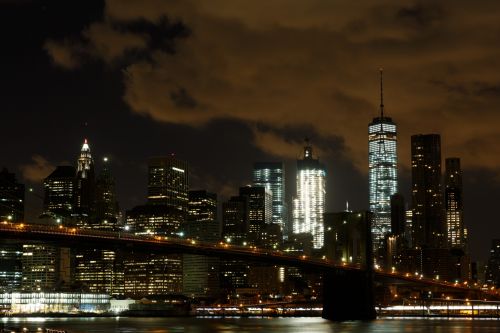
(383, 171)
(454, 204)
(428, 224)
(85, 183)
(309, 205)
(271, 175)
(168, 182)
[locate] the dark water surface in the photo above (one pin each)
(244, 325)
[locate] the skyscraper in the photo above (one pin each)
(454, 204)
(235, 226)
(428, 223)
(492, 274)
(382, 171)
(235, 217)
(85, 186)
(201, 273)
(11, 198)
(168, 182)
(271, 175)
(106, 212)
(59, 193)
(259, 211)
(309, 205)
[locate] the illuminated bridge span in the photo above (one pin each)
(347, 277)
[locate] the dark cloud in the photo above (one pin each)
(421, 15)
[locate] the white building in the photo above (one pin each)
(309, 204)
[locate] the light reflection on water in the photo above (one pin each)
(252, 325)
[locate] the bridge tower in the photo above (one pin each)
(348, 294)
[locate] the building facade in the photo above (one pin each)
(453, 200)
(201, 273)
(271, 175)
(382, 172)
(428, 221)
(309, 204)
(84, 187)
(59, 194)
(106, 211)
(11, 197)
(259, 211)
(168, 182)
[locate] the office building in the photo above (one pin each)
(235, 220)
(398, 215)
(106, 210)
(271, 175)
(309, 204)
(45, 267)
(201, 273)
(11, 253)
(235, 227)
(11, 197)
(59, 194)
(492, 275)
(98, 271)
(168, 182)
(453, 200)
(382, 171)
(259, 211)
(428, 220)
(149, 273)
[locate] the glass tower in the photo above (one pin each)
(271, 175)
(382, 171)
(309, 205)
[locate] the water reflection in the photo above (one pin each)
(252, 325)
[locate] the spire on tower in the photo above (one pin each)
(381, 92)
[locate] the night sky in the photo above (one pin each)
(224, 83)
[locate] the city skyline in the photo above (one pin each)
(432, 90)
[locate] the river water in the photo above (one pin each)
(252, 325)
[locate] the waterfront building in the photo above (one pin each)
(11, 197)
(382, 171)
(271, 175)
(428, 222)
(453, 200)
(309, 204)
(54, 302)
